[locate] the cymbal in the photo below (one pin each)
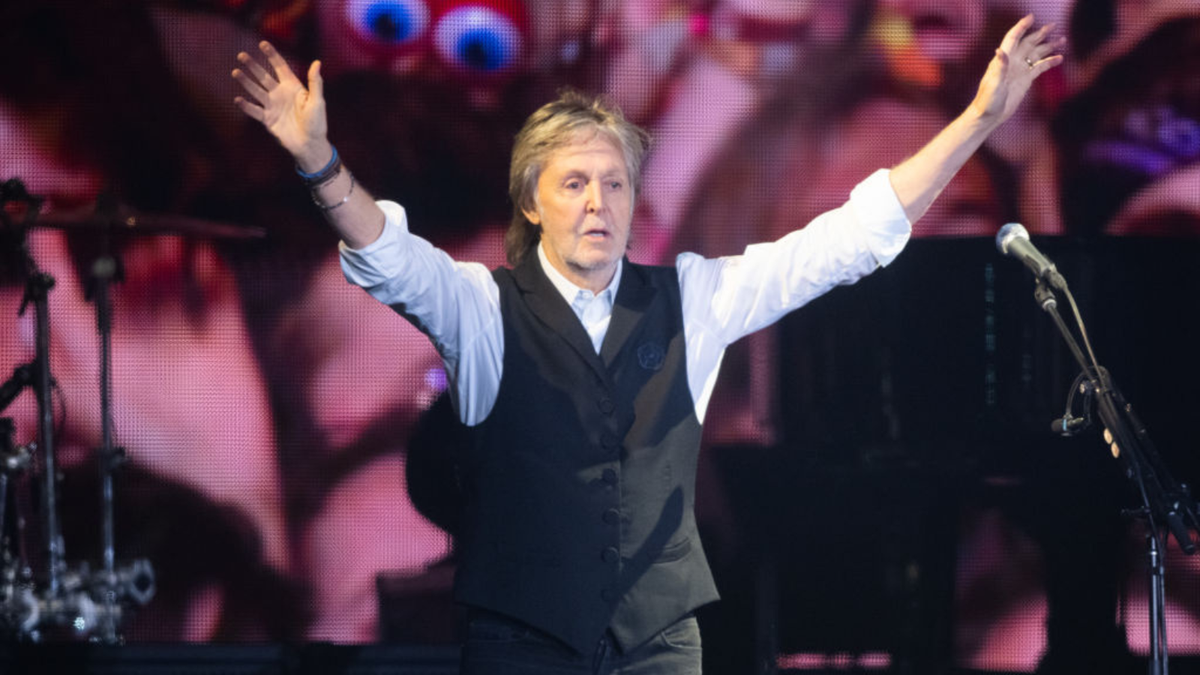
(126, 221)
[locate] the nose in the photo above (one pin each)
(595, 197)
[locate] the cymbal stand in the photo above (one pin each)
(105, 270)
(37, 289)
(69, 598)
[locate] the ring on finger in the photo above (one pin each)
(1029, 62)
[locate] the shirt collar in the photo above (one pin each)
(570, 291)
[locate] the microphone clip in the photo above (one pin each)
(1069, 424)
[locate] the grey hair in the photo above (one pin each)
(555, 125)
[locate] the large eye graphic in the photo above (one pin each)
(479, 39)
(388, 22)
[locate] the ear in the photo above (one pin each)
(532, 216)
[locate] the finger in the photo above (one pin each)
(265, 79)
(1035, 38)
(282, 70)
(1043, 50)
(1046, 64)
(1014, 35)
(316, 83)
(251, 86)
(253, 111)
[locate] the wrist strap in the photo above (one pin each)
(325, 174)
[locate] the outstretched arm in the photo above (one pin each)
(295, 116)
(1022, 57)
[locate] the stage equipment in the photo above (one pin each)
(75, 600)
(1167, 509)
(116, 219)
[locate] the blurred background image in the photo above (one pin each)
(879, 487)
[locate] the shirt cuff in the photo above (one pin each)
(381, 259)
(881, 216)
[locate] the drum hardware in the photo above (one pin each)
(85, 603)
(117, 219)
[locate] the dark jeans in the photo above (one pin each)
(497, 645)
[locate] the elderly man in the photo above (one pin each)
(585, 377)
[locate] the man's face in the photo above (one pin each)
(584, 207)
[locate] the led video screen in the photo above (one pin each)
(269, 411)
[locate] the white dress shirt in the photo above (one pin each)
(458, 304)
(593, 309)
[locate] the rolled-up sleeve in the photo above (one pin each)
(383, 259)
(456, 304)
(725, 299)
(737, 295)
(879, 215)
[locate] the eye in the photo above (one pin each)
(479, 39)
(388, 22)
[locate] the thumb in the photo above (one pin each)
(1002, 58)
(316, 83)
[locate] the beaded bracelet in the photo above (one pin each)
(325, 174)
(329, 207)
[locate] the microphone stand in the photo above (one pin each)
(1167, 507)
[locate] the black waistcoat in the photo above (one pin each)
(579, 489)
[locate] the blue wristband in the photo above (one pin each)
(312, 177)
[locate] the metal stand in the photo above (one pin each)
(1158, 604)
(1167, 507)
(86, 603)
(104, 271)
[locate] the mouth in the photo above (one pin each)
(941, 35)
(754, 29)
(932, 23)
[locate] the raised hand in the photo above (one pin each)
(294, 115)
(1021, 58)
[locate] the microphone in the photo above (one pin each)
(1013, 240)
(1067, 425)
